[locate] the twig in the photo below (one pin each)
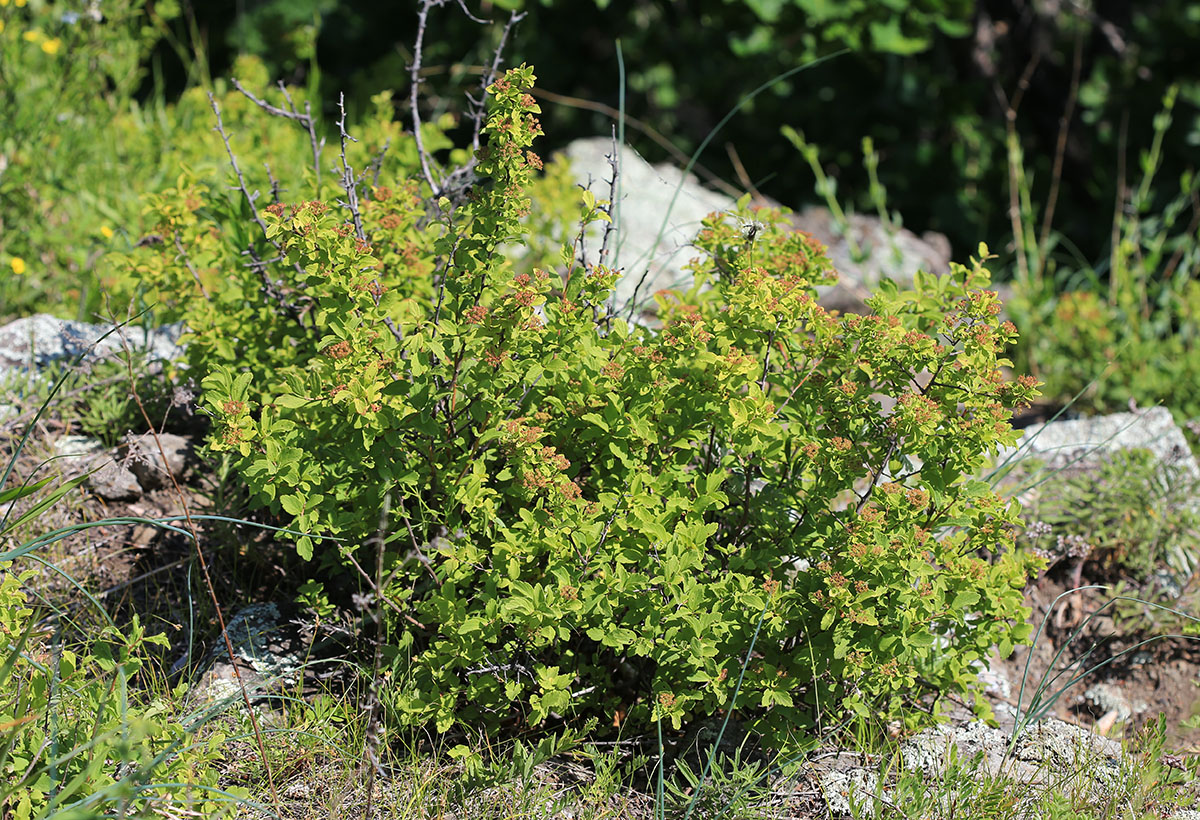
(305, 119)
(348, 183)
(415, 76)
(489, 77)
(274, 184)
(377, 164)
(269, 287)
(191, 269)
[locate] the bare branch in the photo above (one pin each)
(349, 185)
(269, 287)
(415, 75)
(191, 269)
(488, 78)
(305, 119)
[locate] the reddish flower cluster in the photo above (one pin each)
(232, 407)
(475, 314)
(918, 498)
(339, 350)
(614, 370)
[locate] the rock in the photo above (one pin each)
(112, 482)
(1083, 444)
(645, 209)
(1080, 445)
(649, 205)
(1045, 753)
(1112, 704)
(141, 455)
(843, 786)
(270, 655)
(28, 345)
(77, 447)
(865, 251)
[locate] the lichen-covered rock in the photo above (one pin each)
(845, 786)
(29, 344)
(269, 653)
(1043, 754)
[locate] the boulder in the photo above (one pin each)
(660, 213)
(269, 651)
(1083, 444)
(30, 344)
(1080, 445)
(142, 456)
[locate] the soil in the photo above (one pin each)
(1161, 677)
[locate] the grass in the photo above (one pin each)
(99, 604)
(304, 754)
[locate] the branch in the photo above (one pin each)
(305, 119)
(414, 73)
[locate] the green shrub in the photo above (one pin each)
(589, 519)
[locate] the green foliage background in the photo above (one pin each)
(928, 80)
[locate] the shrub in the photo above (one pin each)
(591, 519)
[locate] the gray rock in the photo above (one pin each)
(28, 345)
(656, 226)
(141, 455)
(1043, 754)
(77, 447)
(660, 213)
(1082, 444)
(841, 787)
(865, 251)
(113, 482)
(1107, 698)
(269, 652)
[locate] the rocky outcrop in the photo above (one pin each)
(660, 213)
(30, 344)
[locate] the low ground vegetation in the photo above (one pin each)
(545, 559)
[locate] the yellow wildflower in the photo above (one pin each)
(3, 3)
(17, 264)
(51, 46)
(106, 232)
(32, 36)
(21, 3)
(1, 24)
